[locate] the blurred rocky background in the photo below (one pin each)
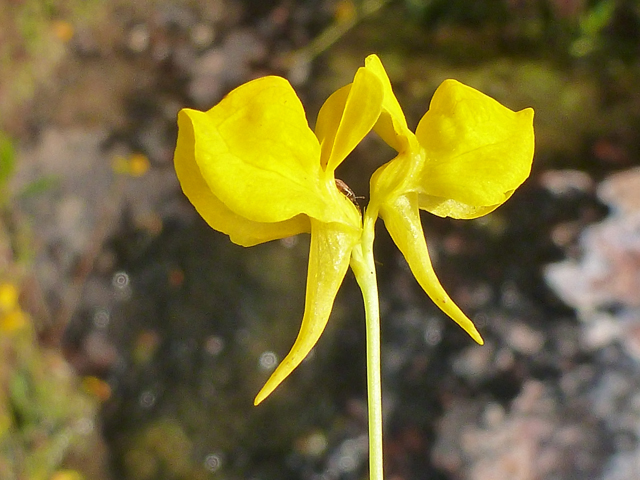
(133, 338)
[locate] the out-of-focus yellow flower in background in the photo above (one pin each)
(96, 387)
(40, 406)
(67, 475)
(63, 30)
(12, 318)
(134, 165)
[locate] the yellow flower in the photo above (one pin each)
(468, 155)
(63, 30)
(8, 297)
(12, 318)
(255, 171)
(135, 165)
(67, 475)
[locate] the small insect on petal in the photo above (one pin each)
(347, 192)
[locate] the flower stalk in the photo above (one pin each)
(364, 269)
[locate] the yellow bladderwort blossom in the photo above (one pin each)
(468, 155)
(254, 170)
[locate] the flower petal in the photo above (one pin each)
(446, 207)
(241, 230)
(329, 256)
(392, 125)
(477, 150)
(402, 220)
(347, 116)
(258, 155)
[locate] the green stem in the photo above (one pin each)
(336, 31)
(363, 265)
